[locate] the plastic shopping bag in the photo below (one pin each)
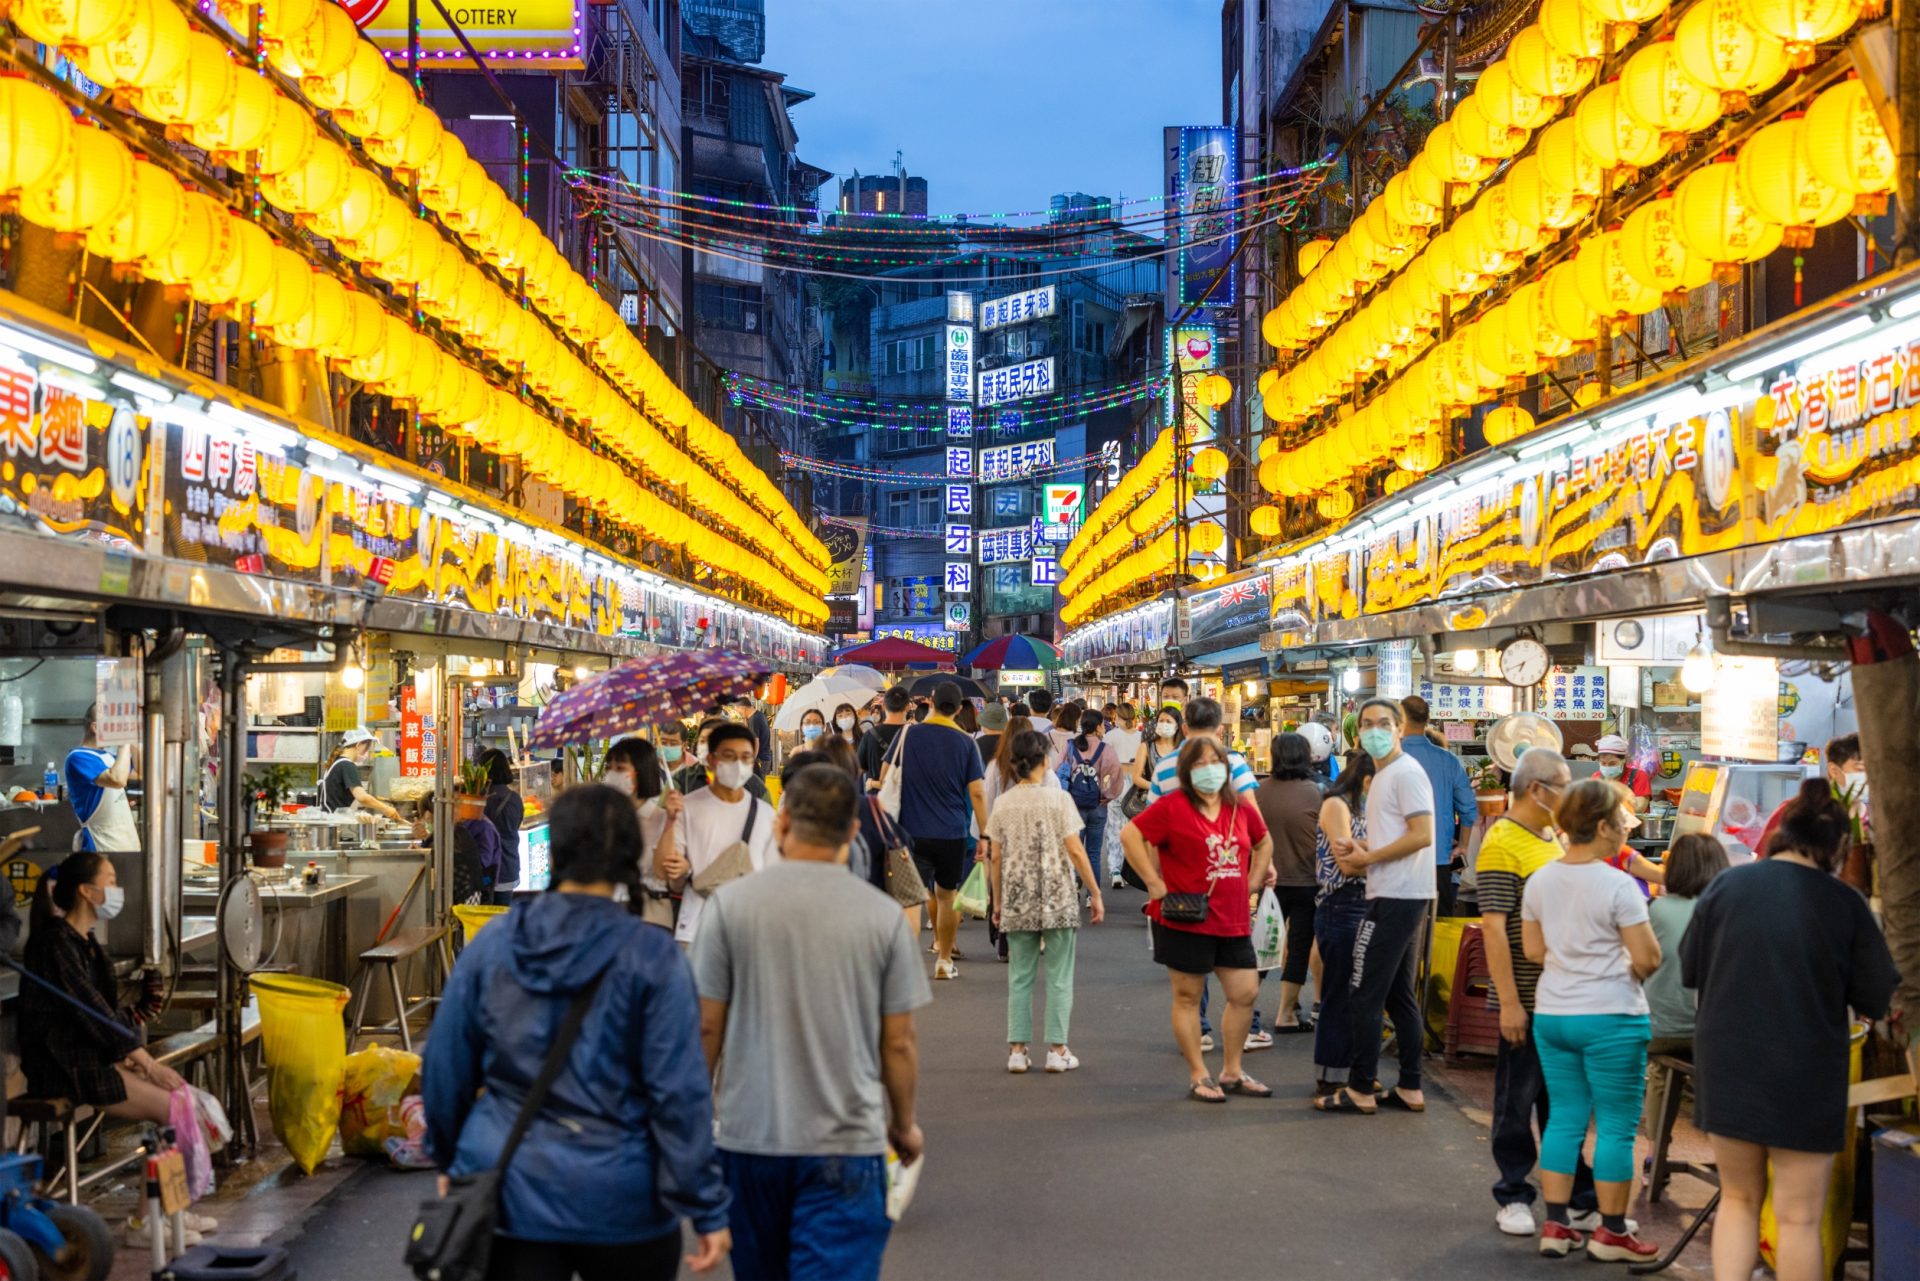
(213, 1118)
(1269, 932)
(306, 1049)
(378, 1081)
(191, 1140)
(976, 896)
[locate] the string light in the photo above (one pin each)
(855, 471)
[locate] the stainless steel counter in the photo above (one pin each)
(320, 930)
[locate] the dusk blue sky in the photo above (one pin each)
(998, 103)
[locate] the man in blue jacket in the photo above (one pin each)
(622, 1150)
(1455, 810)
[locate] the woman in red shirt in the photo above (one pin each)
(1201, 850)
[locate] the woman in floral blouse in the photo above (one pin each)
(1037, 853)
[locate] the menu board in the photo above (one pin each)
(1576, 694)
(78, 467)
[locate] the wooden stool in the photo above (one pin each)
(400, 948)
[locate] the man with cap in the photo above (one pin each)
(1612, 750)
(341, 785)
(942, 787)
(993, 723)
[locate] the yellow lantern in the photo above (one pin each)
(1568, 168)
(1656, 90)
(90, 187)
(291, 137)
(366, 327)
(1452, 160)
(1421, 455)
(1541, 69)
(1311, 254)
(1426, 187)
(1401, 205)
(1566, 308)
(1626, 15)
(1264, 520)
(1528, 326)
(356, 82)
(386, 113)
(202, 88)
(1601, 274)
(1653, 255)
(146, 223)
(190, 249)
(1611, 135)
(1478, 134)
(1847, 147)
(1777, 181)
(1715, 221)
(321, 47)
(413, 146)
(74, 24)
(1495, 350)
(385, 234)
(1572, 29)
(36, 133)
(1802, 24)
(1587, 395)
(153, 49)
(324, 323)
(1717, 46)
(1444, 265)
(1337, 505)
(1206, 537)
(1505, 103)
(1532, 203)
(244, 122)
(1505, 423)
(313, 184)
(1214, 390)
(242, 266)
(1502, 225)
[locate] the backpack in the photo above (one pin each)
(1083, 779)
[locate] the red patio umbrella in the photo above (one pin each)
(895, 653)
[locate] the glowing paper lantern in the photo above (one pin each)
(244, 122)
(1264, 520)
(1778, 182)
(203, 87)
(1539, 68)
(1612, 135)
(315, 183)
(1214, 390)
(1718, 47)
(1605, 283)
(1652, 252)
(1506, 423)
(1801, 24)
(290, 139)
(146, 223)
(1566, 167)
(1505, 103)
(36, 133)
(290, 293)
(75, 24)
(1566, 308)
(1574, 30)
(1656, 90)
(1475, 132)
(1847, 146)
(153, 49)
(90, 186)
(1312, 253)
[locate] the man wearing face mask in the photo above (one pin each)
(1846, 773)
(693, 777)
(1397, 860)
(722, 827)
(1612, 750)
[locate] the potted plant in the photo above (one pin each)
(471, 802)
(269, 790)
(1489, 791)
(1858, 870)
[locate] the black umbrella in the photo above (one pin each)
(924, 687)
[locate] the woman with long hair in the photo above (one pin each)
(1036, 854)
(1001, 775)
(634, 768)
(1691, 864)
(1165, 735)
(846, 724)
(1340, 904)
(1585, 924)
(1289, 800)
(1781, 944)
(1200, 850)
(1094, 777)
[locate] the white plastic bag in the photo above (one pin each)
(213, 1118)
(1269, 932)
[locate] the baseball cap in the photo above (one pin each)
(1611, 745)
(357, 735)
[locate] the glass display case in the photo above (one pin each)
(1733, 801)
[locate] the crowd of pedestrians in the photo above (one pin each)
(751, 1081)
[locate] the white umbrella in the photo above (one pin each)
(875, 681)
(821, 694)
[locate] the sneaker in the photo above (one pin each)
(945, 970)
(1206, 1041)
(1590, 1221)
(1258, 1041)
(138, 1239)
(1118, 884)
(1620, 1247)
(1557, 1240)
(1061, 1062)
(1018, 1061)
(1515, 1219)
(201, 1223)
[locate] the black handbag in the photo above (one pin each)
(1184, 909)
(452, 1237)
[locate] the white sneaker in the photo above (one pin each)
(1206, 1041)
(137, 1237)
(945, 970)
(1119, 884)
(1590, 1221)
(1515, 1219)
(1019, 1061)
(1258, 1041)
(1059, 1062)
(201, 1223)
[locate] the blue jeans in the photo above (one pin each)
(1336, 921)
(1596, 1067)
(1093, 838)
(810, 1218)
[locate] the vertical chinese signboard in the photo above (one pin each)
(1192, 353)
(1201, 167)
(419, 748)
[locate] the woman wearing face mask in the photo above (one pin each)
(846, 723)
(1163, 741)
(67, 1054)
(1612, 751)
(812, 726)
(634, 769)
(341, 786)
(1340, 904)
(1200, 850)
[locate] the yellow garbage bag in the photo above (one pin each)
(305, 1043)
(474, 917)
(1837, 1219)
(377, 1079)
(1443, 959)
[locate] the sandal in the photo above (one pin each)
(1205, 1083)
(1292, 1029)
(1246, 1085)
(1342, 1101)
(1392, 1099)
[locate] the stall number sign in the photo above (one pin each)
(1576, 694)
(1023, 381)
(116, 697)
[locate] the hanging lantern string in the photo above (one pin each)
(855, 471)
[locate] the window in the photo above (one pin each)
(735, 307)
(899, 507)
(910, 355)
(930, 513)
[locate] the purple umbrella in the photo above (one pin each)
(644, 692)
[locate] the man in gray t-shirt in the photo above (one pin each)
(808, 980)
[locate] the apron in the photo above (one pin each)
(110, 825)
(351, 805)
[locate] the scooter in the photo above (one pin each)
(46, 1240)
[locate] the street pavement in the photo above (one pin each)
(1110, 1172)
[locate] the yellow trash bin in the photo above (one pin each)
(1837, 1222)
(304, 1040)
(473, 918)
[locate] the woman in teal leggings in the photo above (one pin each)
(1586, 924)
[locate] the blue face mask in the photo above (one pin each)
(669, 754)
(810, 732)
(1378, 743)
(1209, 779)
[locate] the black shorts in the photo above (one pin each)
(940, 860)
(1189, 953)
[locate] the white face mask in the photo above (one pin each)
(844, 722)
(620, 780)
(115, 900)
(1611, 771)
(1166, 729)
(732, 773)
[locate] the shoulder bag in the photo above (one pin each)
(452, 1236)
(904, 881)
(731, 863)
(895, 759)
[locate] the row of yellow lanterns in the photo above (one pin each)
(1110, 515)
(1123, 579)
(185, 78)
(83, 181)
(1721, 215)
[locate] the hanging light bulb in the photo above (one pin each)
(353, 676)
(1698, 671)
(1350, 680)
(1466, 661)
(580, 672)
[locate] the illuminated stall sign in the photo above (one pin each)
(516, 33)
(1830, 443)
(1011, 462)
(1015, 309)
(933, 634)
(1023, 381)
(1137, 635)
(77, 467)
(1206, 616)
(1005, 546)
(959, 369)
(231, 505)
(1202, 217)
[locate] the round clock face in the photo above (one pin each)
(1524, 662)
(1628, 634)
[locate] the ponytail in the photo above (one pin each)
(59, 887)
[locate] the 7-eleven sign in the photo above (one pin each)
(1064, 504)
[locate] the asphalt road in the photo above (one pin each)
(1110, 1172)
